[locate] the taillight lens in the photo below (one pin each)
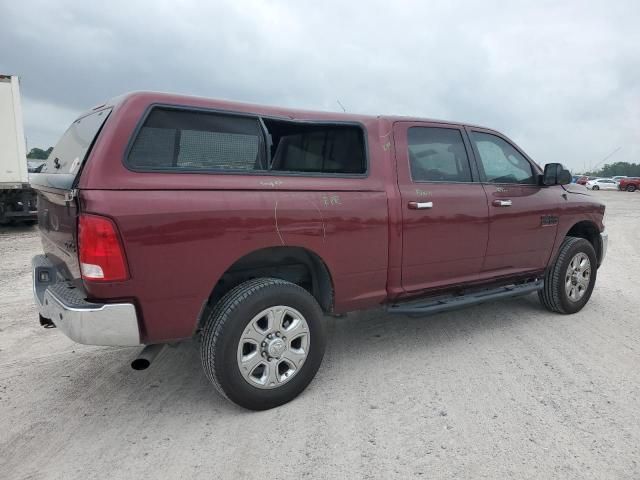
(101, 253)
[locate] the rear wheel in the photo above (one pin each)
(570, 280)
(4, 220)
(263, 343)
(631, 188)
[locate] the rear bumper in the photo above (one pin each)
(22, 214)
(82, 321)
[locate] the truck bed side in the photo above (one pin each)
(182, 231)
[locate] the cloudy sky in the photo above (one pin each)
(560, 78)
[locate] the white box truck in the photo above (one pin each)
(17, 199)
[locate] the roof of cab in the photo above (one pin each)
(266, 110)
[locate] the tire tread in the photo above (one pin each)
(221, 314)
(550, 295)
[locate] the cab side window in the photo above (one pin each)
(437, 155)
(501, 162)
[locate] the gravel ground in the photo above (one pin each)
(503, 390)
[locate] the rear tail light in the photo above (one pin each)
(100, 250)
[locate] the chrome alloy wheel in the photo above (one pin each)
(578, 276)
(273, 347)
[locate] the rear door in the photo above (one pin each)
(57, 207)
(444, 208)
(523, 216)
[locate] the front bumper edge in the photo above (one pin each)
(604, 244)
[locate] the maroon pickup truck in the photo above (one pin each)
(167, 217)
(630, 184)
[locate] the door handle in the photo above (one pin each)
(420, 205)
(502, 203)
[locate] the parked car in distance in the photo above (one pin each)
(629, 184)
(584, 179)
(166, 217)
(617, 178)
(602, 184)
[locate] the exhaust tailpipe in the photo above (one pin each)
(146, 356)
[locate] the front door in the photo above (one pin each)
(444, 207)
(523, 216)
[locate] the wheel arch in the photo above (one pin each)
(589, 231)
(297, 265)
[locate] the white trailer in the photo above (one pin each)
(17, 200)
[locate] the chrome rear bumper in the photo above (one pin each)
(84, 322)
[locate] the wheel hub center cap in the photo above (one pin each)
(276, 347)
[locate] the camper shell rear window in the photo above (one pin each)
(64, 164)
(185, 140)
(71, 150)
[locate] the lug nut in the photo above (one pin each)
(277, 334)
(264, 354)
(270, 359)
(264, 344)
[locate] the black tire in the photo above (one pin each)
(225, 325)
(596, 187)
(631, 188)
(554, 296)
(4, 220)
(29, 223)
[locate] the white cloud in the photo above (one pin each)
(562, 79)
(45, 122)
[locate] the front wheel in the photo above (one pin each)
(569, 282)
(596, 187)
(263, 343)
(631, 188)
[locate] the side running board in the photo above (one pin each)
(451, 302)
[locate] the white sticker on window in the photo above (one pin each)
(75, 165)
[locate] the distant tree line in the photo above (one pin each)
(618, 168)
(39, 154)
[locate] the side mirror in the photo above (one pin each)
(555, 174)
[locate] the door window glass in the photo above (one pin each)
(501, 162)
(437, 155)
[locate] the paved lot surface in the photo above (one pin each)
(504, 390)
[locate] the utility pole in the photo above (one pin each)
(605, 158)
